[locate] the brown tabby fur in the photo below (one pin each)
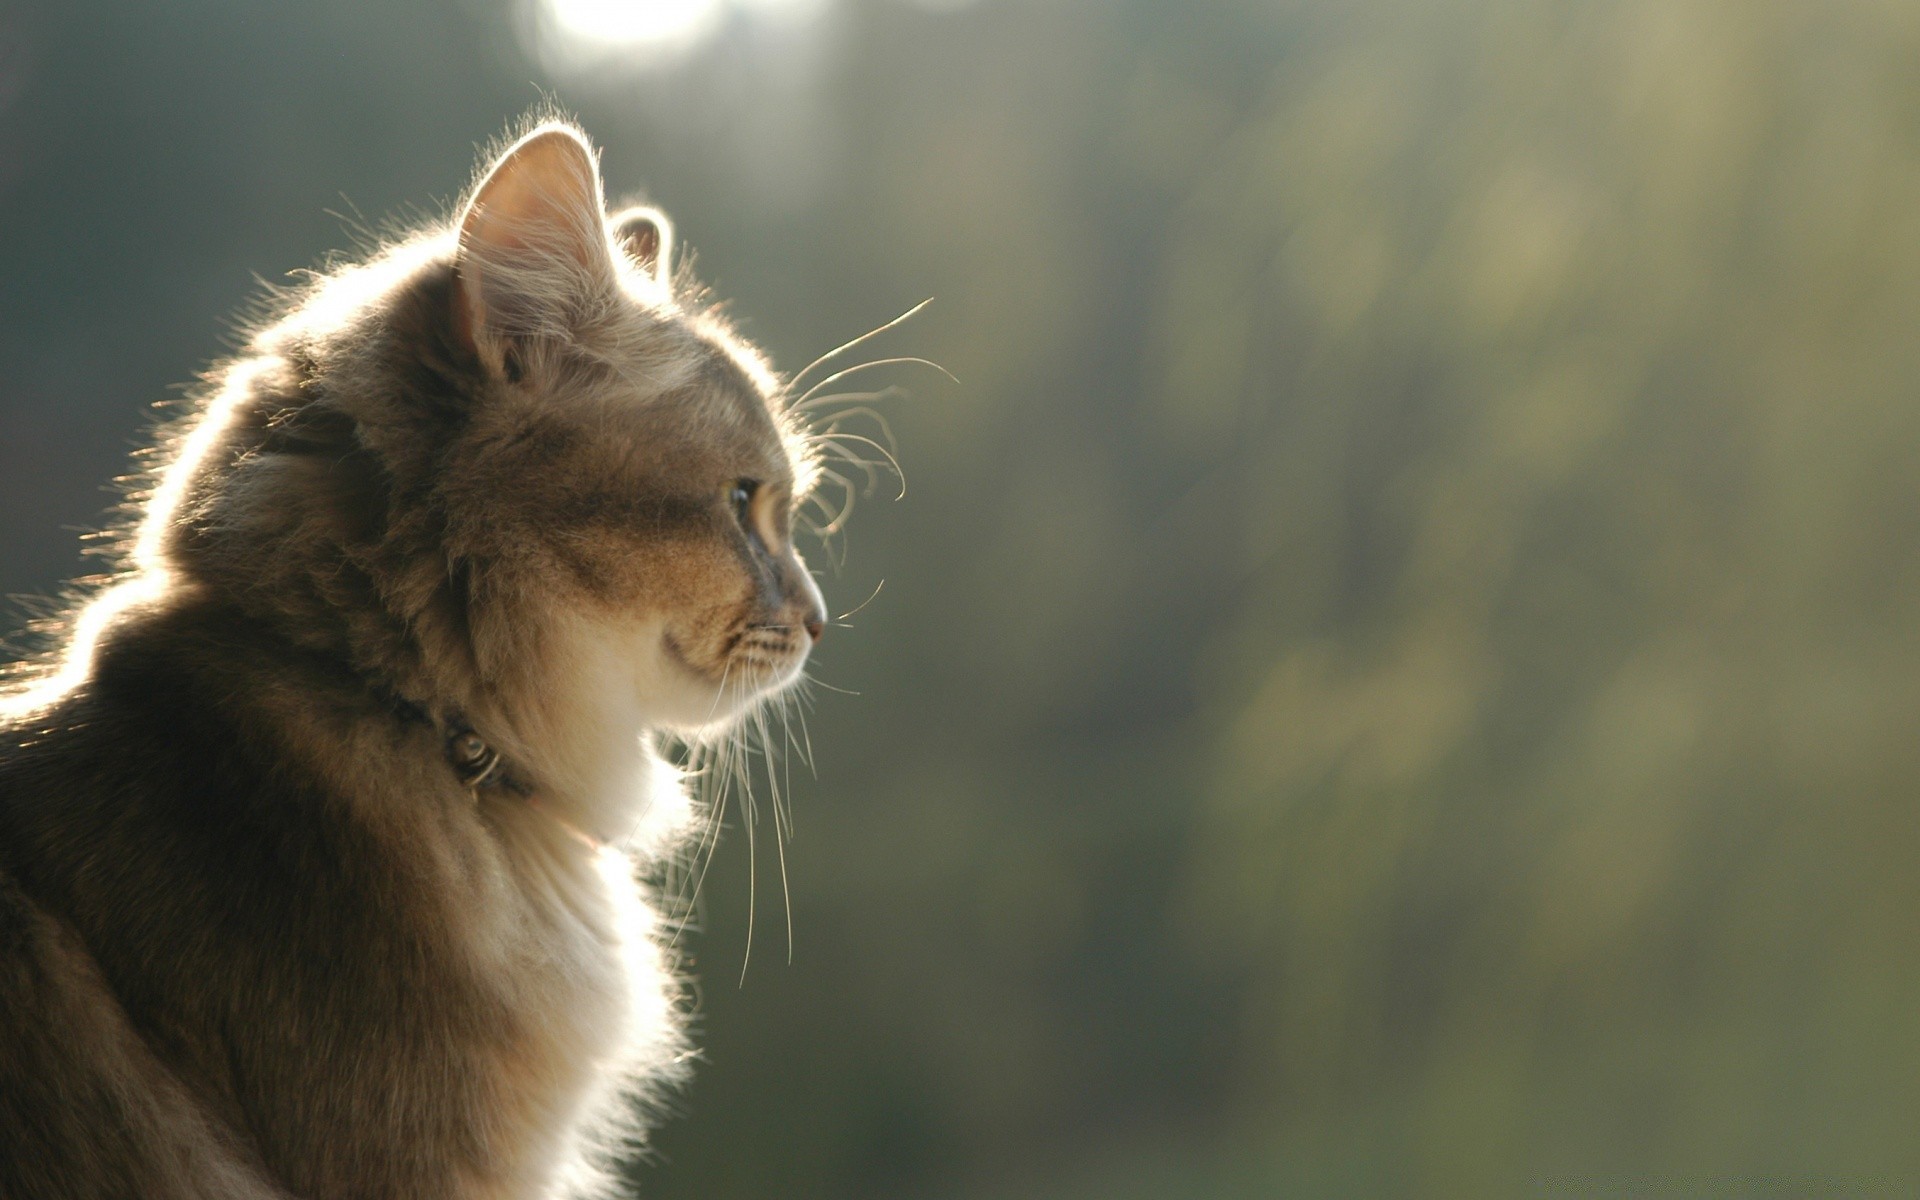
(258, 936)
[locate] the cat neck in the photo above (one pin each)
(480, 767)
(568, 742)
(572, 733)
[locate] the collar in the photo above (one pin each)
(478, 764)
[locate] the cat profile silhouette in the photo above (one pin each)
(321, 831)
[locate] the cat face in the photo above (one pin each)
(633, 444)
(653, 530)
(508, 469)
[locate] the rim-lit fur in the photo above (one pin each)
(256, 938)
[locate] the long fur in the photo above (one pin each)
(258, 935)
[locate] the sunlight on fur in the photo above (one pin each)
(348, 837)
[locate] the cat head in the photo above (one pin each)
(510, 466)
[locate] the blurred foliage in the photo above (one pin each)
(1394, 674)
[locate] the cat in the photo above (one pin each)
(319, 836)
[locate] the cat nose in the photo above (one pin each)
(815, 622)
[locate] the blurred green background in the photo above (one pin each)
(1396, 671)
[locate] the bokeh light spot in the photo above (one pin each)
(614, 24)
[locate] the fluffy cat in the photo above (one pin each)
(318, 841)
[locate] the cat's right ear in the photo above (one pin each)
(534, 256)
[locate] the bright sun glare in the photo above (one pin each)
(573, 34)
(614, 24)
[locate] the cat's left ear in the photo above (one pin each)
(646, 234)
(534, 256)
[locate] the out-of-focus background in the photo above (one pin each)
(1398, 668)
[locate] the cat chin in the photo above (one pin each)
(693, 705)
(634, 669)
(719, 705)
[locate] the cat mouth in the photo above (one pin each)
(769, 655)
(755, 659)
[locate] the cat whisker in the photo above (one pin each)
(893, 462)
(892, 391)
(708, 759)
(767, 751)
(759, 653)
(805, 745)
(717, 776)
(839, 422)
(720, 691)
(869, 335)
(839, 519)
(843, 455)
(753, 876)
(801, 404)
(754, 721)
(796, 701)
(869, 600)
(867, 411)
(704, 850)
(786, 767)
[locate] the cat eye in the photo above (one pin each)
(742, 497)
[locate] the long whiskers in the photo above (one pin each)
(806, 400)
(838, 520)
(724, 765)
(863, 410)
(841, 619)
(725, 770)
(836, 444)
(869, 335)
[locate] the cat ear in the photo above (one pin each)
(646, 234)
(533, 256)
